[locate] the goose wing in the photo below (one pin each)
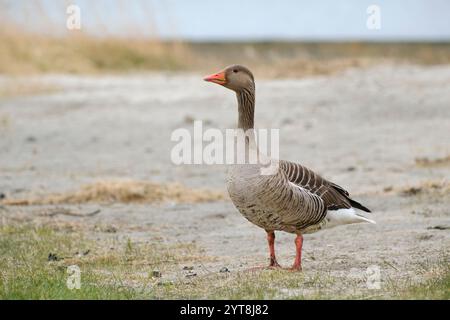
(334, 196)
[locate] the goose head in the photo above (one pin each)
(234, 77)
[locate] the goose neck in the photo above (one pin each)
(246, 108)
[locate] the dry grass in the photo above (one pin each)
(25, 53)
(436, 189)
(427, 187)
(126, 191)
(437, 162)
(303, 59)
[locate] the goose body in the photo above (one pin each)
(286, 201)
(293, 198)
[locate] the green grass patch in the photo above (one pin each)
(436, 285)
(35, 261)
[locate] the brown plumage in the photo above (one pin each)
(335, 197)
(294, 198)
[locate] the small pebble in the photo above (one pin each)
(440, 227)
(110, 229)
(191, 274)
(188, 119)
(52, 257)
(188, 268)
(224, 270)
(156, 274)
(30, 139)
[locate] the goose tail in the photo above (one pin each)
(357, 205)
(345, 216)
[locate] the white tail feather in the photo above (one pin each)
(344, 216)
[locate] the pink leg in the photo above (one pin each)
(271, 240)
(297, 266)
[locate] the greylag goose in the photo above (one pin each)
(294, 199)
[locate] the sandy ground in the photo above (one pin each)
(365, 129)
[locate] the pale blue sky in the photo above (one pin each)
(245, 19)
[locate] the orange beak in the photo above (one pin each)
(218, 78)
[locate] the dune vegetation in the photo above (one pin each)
(23, 52)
